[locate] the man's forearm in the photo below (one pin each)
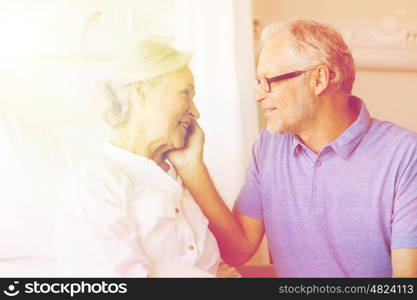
(230, 235)
(404, 262)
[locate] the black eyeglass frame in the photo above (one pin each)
(277, 78)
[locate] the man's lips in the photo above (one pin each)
(269, 110)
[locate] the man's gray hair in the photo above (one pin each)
(313, 43)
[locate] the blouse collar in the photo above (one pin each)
(139, 167)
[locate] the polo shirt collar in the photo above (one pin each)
(350, 138)
(296, 143)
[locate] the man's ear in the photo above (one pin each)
(321, 79)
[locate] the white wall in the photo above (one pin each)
(53, 52)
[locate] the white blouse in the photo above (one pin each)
(123, 216)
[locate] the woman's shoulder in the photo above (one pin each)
(99, 171)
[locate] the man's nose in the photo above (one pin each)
(259, 94)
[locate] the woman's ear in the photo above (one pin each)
(139, 94)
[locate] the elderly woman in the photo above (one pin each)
(126, 213)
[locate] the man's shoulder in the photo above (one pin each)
(392, 134)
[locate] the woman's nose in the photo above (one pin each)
(194, 112)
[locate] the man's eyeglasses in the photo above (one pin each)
(265, 82)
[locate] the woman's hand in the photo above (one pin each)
(192, 153)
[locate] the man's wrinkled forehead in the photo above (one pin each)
(275, 57)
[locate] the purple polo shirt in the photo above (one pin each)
(340, 212)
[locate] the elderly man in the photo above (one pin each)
(334, 190)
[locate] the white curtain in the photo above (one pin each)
(219, 34)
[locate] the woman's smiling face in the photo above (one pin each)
(170, 108)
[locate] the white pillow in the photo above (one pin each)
(33, 167)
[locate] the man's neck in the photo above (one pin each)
(332, 119)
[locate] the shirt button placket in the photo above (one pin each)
(314, 186)
(191, 251)
(191, 255)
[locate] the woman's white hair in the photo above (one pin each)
(313, 43)
(145, 61)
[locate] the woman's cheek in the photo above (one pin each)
(177, 137)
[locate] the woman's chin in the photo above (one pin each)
(179, 143)
(179, 140)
